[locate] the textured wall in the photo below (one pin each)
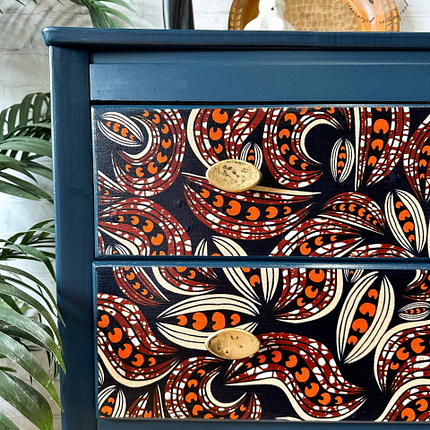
(24, 69)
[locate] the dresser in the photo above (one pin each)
(302, 298)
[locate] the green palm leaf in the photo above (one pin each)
(27, 400)
(34, 108)
(25, 136)
(101, 15)
(18, 353)
(13, 292)
(33, 254)
(10, 184)
(5, 422)
(27, 144)
(104, 16)
(34, 244)
(7, 274)
(44, 340)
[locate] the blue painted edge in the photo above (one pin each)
(95, 346)
(375, 264)
(73, 194)
(118, 424)
(130, 39)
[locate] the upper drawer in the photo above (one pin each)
(336, 181)
(204, 74)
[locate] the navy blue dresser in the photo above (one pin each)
(325, 261)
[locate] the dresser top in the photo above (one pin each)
(133, 39)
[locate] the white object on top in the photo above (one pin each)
(271, 17)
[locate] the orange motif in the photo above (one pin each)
(253, 213)
(215, 133)
(402, 354)
(219, 117)
(303, 375)
(125, 351)
(276, 356)
(104, 321)
(148, 227)
(165, 128)
(291, 362)
(312, 390)
(360, 325)
(381, 125)
(408, 414)
(157, 240)
(200, 321)
(284, 133)
(219, 321)
(271, 212)
(418, 345)
(367, 309)
(317, 275)
(138, 360)
(235, 319)
(234, 208)
(116, 335)
(292, 117)
(182, 320)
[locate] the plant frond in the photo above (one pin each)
(15, 293)
(103, 16)
(20, 355)
(34, 108)
(20, 277)
(34, 244)
(5, 422)
(26, 400)
(28, 308)
(28, 327)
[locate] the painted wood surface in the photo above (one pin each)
(84, 60)
(101, 39)
(293, 77)
(74, 219)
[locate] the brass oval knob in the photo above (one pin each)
(233, 175)
(232, 344)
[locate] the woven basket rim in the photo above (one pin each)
(391, 23)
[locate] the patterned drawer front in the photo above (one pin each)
(336, 181)
(335, 344)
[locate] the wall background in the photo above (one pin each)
(24, 68)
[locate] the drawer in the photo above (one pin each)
(343, 181)
(203, 74)
(336, 343)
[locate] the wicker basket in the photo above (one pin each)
(325, 15)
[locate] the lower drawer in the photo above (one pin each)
(335, 343)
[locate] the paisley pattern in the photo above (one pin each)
(336, 181)
(305, 370)
(191, 395)
(336, 344)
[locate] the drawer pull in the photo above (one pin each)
(232, 344)
(233, 175)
